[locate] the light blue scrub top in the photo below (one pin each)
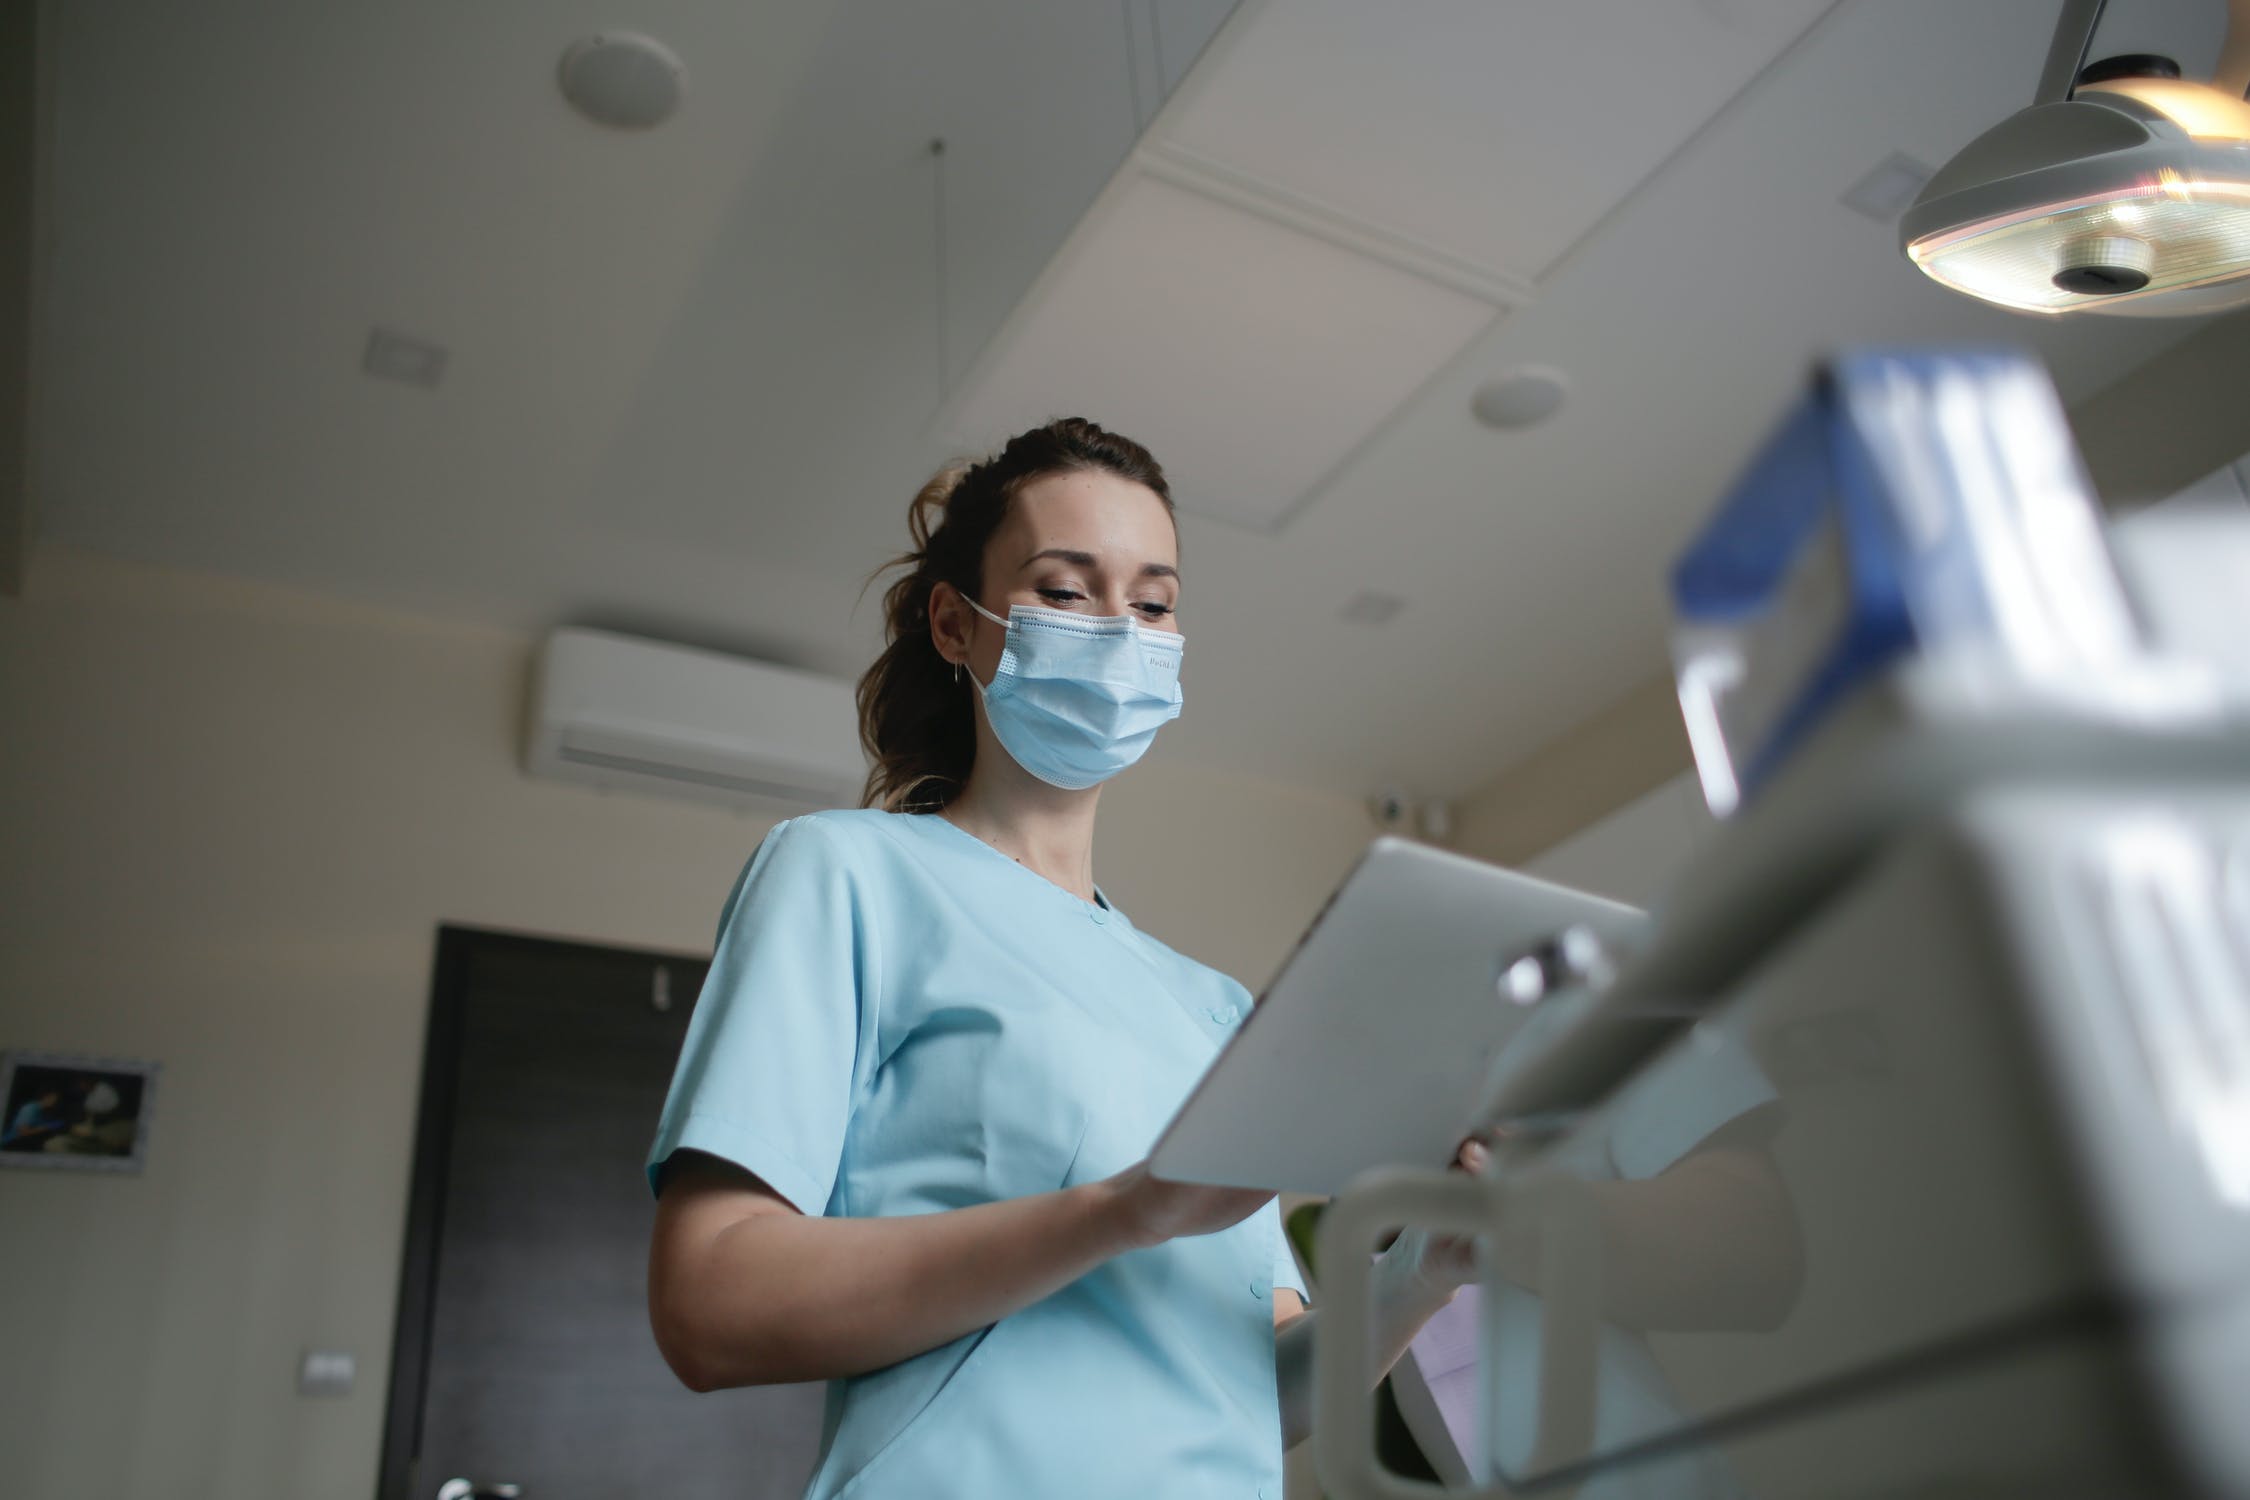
(901, 1019)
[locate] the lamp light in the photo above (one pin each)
(2123, 188)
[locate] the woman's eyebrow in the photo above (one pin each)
(1088, 560)
(1064, 554)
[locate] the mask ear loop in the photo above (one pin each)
(989, 615)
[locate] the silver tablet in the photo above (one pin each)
(1370, 1047)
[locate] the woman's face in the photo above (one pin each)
(1090, 543)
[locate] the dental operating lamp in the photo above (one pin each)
(2124, 188)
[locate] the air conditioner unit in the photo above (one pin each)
(616, 711)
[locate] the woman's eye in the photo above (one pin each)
(1061, 596)
(1156, 611)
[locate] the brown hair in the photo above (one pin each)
(915, 719)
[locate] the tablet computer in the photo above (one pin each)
(1370, 1047)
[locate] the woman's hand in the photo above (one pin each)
(1444, 1263)
(1152, 1210)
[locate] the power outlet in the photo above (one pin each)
(326, 1372)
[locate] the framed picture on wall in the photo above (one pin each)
(66, 1112)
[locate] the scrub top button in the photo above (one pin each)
(1100, 916)
(1258, 1290)
(1222, 1013)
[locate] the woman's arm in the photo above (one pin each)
(745, 1290)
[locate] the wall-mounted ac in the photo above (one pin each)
(616, 711)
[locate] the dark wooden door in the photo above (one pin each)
(524, 1355)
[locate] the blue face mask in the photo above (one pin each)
(1078, 698)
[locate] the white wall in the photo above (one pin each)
(233, 818)
(1633, 853)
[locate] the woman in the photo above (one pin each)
(902, 1151)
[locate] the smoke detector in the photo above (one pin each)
(623, 79)
(2123, 189)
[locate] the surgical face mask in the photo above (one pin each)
(1078, 698)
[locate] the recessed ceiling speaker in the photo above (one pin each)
(2123, 189)
(1372, 607)
(623, 79)
(1523, 397)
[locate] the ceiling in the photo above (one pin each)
(1268, 239)
(695, 374)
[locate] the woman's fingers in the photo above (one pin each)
(1450, 1259)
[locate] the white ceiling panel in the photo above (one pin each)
(1166, 297)
(1500, 133)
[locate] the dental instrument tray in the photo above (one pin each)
(1912, 503)
(1933, 733)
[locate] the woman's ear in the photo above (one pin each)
(951, 622)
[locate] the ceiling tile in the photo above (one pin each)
(1166, 298)
(1498, 133)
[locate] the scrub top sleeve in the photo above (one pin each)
(768, 1072)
